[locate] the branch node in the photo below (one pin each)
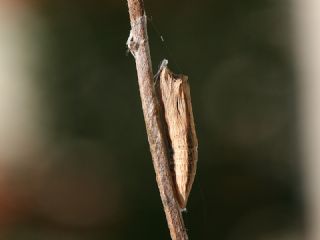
(135, 40)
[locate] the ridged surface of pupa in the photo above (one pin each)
(175, 99)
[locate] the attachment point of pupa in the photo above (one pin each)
(162, 65)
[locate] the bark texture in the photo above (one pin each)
(139, 46)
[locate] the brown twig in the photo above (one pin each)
(139, 46)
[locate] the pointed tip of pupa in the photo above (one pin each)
(182, 198)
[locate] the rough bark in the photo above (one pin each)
(139, 46)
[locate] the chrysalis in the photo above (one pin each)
(174, 96)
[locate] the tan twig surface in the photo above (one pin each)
(139, 46)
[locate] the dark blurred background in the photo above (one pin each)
(78, 166)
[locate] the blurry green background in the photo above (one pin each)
(91, 177)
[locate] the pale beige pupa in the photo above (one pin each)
(174, 96)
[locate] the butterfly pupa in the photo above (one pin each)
(174, 96)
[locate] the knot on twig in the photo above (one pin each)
(132, 45)
(134, 41)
